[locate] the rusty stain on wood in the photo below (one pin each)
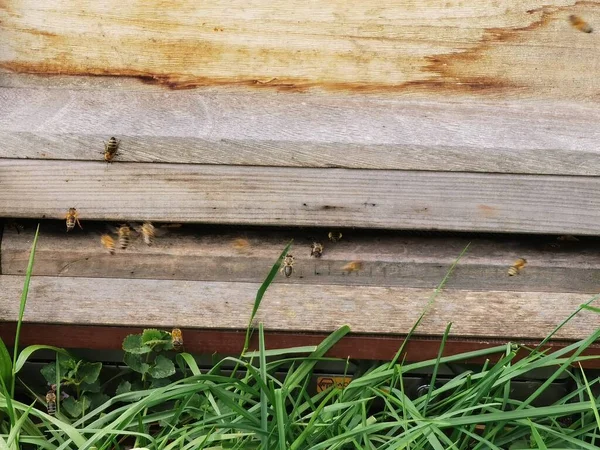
(473, 47)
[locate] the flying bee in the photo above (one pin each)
(148, 233)
(110, 149)
(288, 266)
(316, 249)
(72, 217)
(177, 339)
(108, 243)
(51, 402)
(124, 234)
(580, 24)
(353, 266)
(334, 236)
(516, 267)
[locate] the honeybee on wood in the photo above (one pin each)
(353, 266)
(108, 243)
(110, 149)
(124, 234)
(177, 339)
(334, 236)
(580, 24)
(51, 402)
(516, 267)
(72, 217)
(316, 249)
(148, 233)
(287, 268)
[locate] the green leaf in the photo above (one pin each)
(49, 372)
(28, 351)
(89, 372)
(159, 382)
(98, 399)
(133, 344)
(91, 387)
(136, 363)
(190, 361)
(152, 334)
(162, 368)
(5, 364)
(123, 387)
(75, 407)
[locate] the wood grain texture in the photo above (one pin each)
(389, 259)
(479, 47)
(294, 308)
(93, 337)
(300, 196)
(301, 130)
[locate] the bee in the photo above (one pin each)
(72, 218)
(177, 339)
(124, 233)
(353, 266)
(316, 249)
(110, 149)
(516, 267)
(108, 243)
(288, 266)
(334, 236)
(148, 233)
(51, 402)
(580, 24)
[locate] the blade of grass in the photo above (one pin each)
(261, 292)
(22, 308)
(304, 369)
(591, 396)
(428, 306)
(264, 402)
(562, 324)
(435, 368)
(536, 437)
(279, 409)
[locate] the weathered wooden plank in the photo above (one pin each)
(289, 307)
(479, 47)
(302, 130)
(206, 254)
(301, 196)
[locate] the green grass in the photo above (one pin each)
(254, 409)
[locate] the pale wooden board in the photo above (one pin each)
(300, 196)
(301, 130)
(389, 259)
(215, 305)
(510, 48)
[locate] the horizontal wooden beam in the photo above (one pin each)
(497, 50)
(299, 130)
(231, 342)
(301, 196)
(295, 308)
(238, 254)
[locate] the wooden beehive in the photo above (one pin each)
(470, 116)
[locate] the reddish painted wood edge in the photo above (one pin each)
(227, 342)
